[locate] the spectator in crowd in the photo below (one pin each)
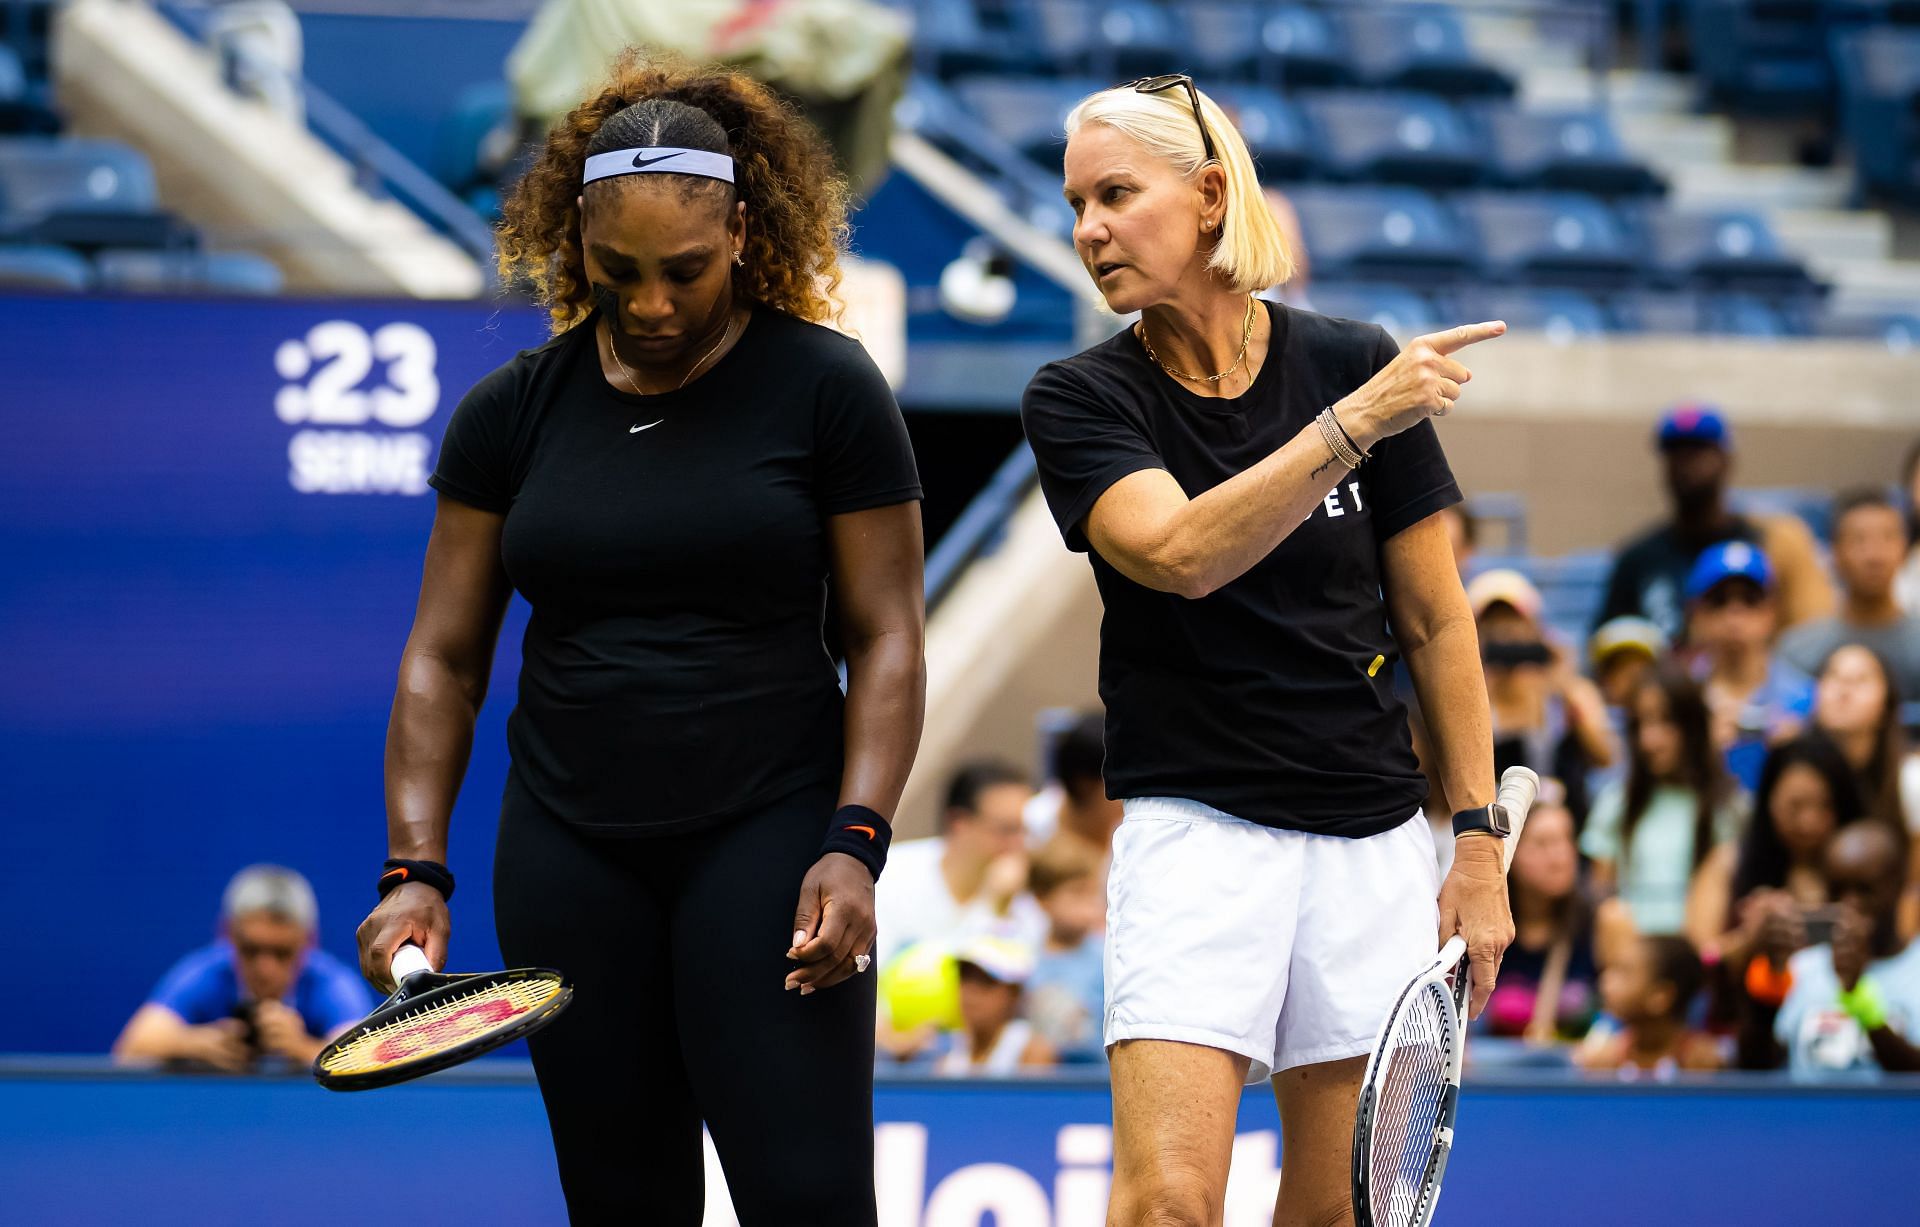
(993, 1040)
(1621, 653)
(1752, 698)
(1649, 834)
(1066, 997)
(1869, 544)
(1649, 992)
(1547, 980)
(1857, 703)
(263, 990)
(1855, 1000)
(1545, 714)
(1755, 897)
(971, 878)
(1650, 572)
(1074, 804)
(1907, 586)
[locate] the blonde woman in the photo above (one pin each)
(1257, 490)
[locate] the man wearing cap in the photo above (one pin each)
(1869, 545)
(262, 990)
(1755, 699)
(1650, 571)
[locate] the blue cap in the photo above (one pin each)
(1729, 560)
(1701, 424)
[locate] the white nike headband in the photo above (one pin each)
(665, 159)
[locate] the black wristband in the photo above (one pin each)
(433, 873)
(1483, 819)
(862, 835)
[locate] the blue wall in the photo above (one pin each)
(105, 1150)
(199, 655)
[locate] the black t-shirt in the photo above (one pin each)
(674, 551)
(1272, 697)
(1650, 576)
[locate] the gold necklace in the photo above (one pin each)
(1246, 336)
(628, 375)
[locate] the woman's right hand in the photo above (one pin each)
(1422, 381)
(411, 912)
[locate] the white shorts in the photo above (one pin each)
(1284, 947)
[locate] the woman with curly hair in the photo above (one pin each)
(672, 482)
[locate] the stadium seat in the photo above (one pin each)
(1762, 55)
(1720, 249)
(1285, 45)
(1899, 331)
(189, 272)
(1748, 315)
(39, 177)
(1644, 310)
(1394, 138)
(952, 37)
(1418, 47)
(1111, 39)
(1563, 315)
(1028, 113)
(1401, 311)
(43, 268)
(1562, 150)
(1381, 233)
(1557, 237)
(477, 111)
(1879, 78)
(1274, 129)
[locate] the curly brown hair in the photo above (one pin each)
(796, 198)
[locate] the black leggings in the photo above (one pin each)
(676, 947)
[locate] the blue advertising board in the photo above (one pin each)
(215, 514)
(81, 1150)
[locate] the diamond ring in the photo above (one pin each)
(861, 962)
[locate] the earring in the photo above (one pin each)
(739, 257)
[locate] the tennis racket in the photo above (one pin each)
(434, 1021)
(1403, 1131)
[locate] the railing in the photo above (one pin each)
(378, 166)
(979, 527)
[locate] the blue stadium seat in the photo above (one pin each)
(1286, 45)
(1643, 310)
(39, 177)
(43, 268)
(951, 37)
(188, 272)
(1028, 113)
(1420, 47)
(1571, 150)
(1899, 331)
(1385, 233)
(1762, 55)
(1748, 315)
(1274, 129)
(1401, 311)
(457, 141)
(1879, 73)
(1556, 237)
(1721, 249)
(1111, 39)
(1563, 315)
(1396, 138)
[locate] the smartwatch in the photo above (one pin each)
(1489, 818)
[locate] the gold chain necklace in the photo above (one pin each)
(631, 383)
(1246, 336)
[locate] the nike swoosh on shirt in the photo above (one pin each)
(634, 430)
(642, 160)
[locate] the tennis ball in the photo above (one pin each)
(921, 985)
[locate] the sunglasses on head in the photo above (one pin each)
(1180, 80)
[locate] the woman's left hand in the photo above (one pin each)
(1473, 903)
(833, 925)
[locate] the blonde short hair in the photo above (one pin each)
(1252, 252)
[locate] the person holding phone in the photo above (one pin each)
(1545, 714)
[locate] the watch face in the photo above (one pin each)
(1497, 816)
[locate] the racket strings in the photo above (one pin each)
(442, 1024)
(1411, 1094)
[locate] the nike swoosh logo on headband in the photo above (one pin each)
(642, 161)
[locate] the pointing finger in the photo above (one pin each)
(1454, 339)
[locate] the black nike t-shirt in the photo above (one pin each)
(1272, 697)
(674, 551)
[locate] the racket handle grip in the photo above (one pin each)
(407, 960)
(1518, 787)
